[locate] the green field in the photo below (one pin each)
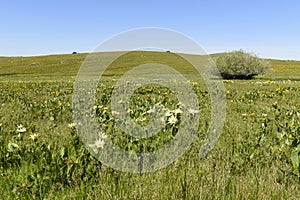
(256, 157)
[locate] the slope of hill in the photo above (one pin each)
(67, 65)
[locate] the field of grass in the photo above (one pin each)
(41, 156)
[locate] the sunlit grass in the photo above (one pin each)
(41, 156)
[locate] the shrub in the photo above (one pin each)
(240, 65)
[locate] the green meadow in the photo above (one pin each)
(42, 157)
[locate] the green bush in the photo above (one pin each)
(240, 65)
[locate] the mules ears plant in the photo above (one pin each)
(241, 65)
(289, 136)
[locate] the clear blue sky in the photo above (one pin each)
(269, 28)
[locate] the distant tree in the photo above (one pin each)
(241, 65)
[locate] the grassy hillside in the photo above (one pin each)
(284, 69)
(41, 156)
(67, 65)
(40, 67)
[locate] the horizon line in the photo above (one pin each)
(87, 52)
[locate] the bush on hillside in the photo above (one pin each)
(241, 65)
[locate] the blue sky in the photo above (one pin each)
(271, 29)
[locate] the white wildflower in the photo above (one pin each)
(102, 135)
(177, 111)
(72, 125)
(115, 112)
(162, 119)
(264, 114)
(168, 114)
(12, 146)
(193, 111)
(151, 111)
(180, 104)
(99, 144)
(141, 119)
(172, 120)
(34, 136)
(21, 129)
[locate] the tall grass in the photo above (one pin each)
(254, 158)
